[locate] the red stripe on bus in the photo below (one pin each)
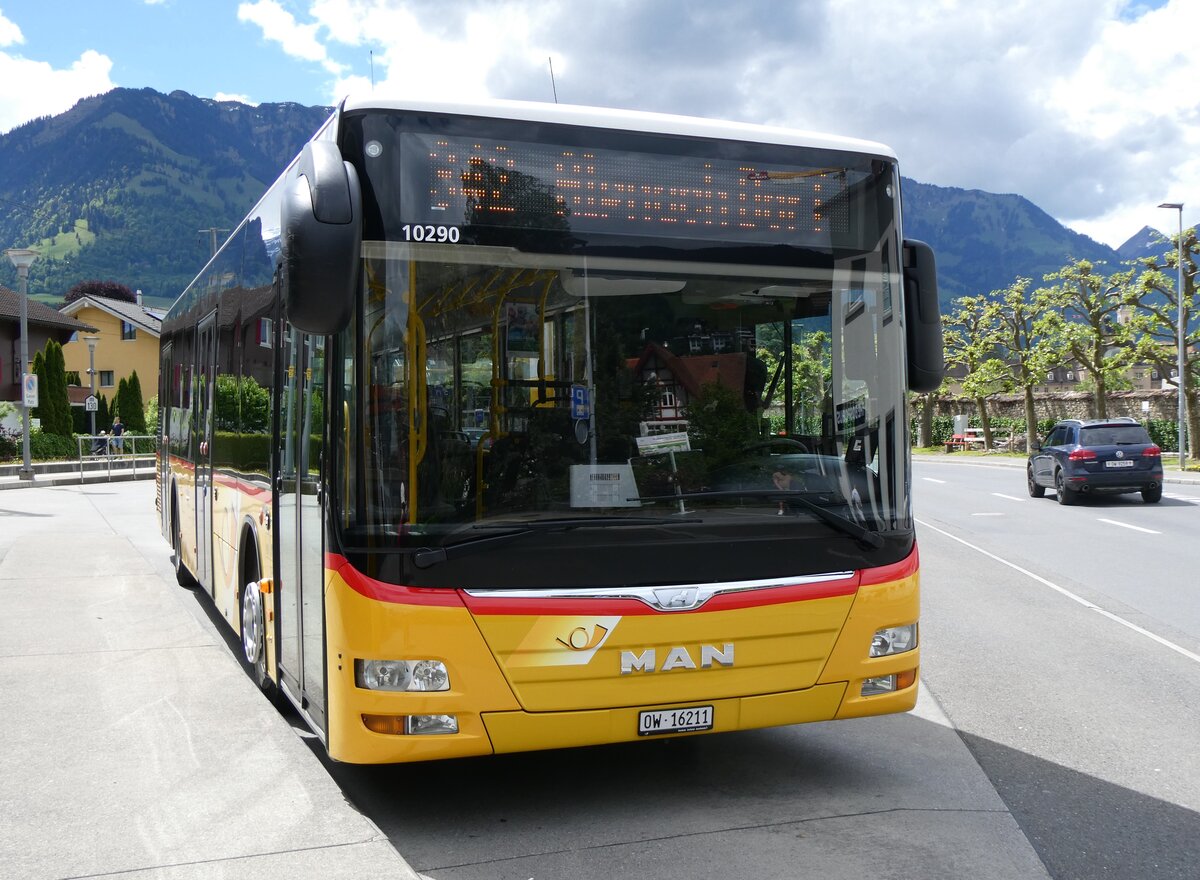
(897, 571)
(381, 592)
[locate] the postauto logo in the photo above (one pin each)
(563, 641)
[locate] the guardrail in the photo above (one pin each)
(100, 451)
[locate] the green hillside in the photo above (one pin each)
(120, 186)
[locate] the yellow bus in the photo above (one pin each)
(509, 426)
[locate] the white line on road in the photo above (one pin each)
(1113, 522)
(1072, 596)
(1009, 497)
(932, 480)
(988, 514)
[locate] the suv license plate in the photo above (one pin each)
(685, 720)
(1126, 462)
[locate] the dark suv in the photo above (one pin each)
(1096, 455)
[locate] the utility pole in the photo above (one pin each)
(212, 233)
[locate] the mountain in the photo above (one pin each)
(127, 185)
(121, 186)
(1146, 242)
(984, 241)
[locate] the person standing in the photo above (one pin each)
(117, 430)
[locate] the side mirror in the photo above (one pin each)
(923, 320)
(322, 239)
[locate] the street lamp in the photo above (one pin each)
(1181, 332)
(23, 258)
(91, 344)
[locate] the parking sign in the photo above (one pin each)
(29, 390)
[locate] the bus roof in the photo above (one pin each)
(627, 120)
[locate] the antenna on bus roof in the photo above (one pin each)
(553, 87)
(372, 70)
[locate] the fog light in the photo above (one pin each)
(884, 684)
(887, 684)
(894, 640)
(401, 675)
(431, 724)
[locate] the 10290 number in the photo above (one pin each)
(429, 232)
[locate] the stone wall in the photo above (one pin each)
(1069, 405)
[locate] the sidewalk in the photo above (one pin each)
(135, 747)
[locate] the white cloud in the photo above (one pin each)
(9, 32)
(30, 89)
(241, 99)
(280, 26)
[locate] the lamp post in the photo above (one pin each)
(1181, 332)
(23, 258)
(91, 344)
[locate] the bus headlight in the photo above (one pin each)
(401, 675)
(894, 640)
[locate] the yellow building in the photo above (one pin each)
(127, 340)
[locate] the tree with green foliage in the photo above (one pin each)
(720, 424)
(1155, 323)
(55, 393)
(1025, 341)
(972, 341)
(1084, 312)
(811, 375)
(41, 411)
(134, 414)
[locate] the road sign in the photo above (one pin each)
(581, 402)
(91, 403)
(29, 390)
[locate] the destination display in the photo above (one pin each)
(454, 184)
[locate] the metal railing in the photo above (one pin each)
(131, 454)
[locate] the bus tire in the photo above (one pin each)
(183, 577)
(254, 633)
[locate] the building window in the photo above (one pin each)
(128, 331)
(1070, 376)
(106, 379)
(264, 332)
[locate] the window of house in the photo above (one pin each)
(264, 332)
(128, 331)
(1070, 376)
(106, 379)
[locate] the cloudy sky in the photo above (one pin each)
(1089, 108)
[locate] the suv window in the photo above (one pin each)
(1113, 435)
(1058, 436)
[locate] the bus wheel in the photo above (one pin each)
(254, 633)
(183, 577)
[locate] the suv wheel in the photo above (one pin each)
(1065, 496)
(1035, 490)
(1152, 496)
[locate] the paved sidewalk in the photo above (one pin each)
(134, 745)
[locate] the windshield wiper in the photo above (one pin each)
(842, 524)
(428, 556)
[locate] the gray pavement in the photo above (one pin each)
(133, 744)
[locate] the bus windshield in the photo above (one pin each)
(560, 376)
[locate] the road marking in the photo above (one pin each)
(1113, 522)
(987, 514)
(1009, 497)
(932, 480)
(1178, 649)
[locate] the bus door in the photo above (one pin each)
(202, 435)
(301, 581)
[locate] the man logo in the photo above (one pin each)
(579, 640)
(677, 658)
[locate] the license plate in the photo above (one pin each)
(1122, 462)
(686, 720)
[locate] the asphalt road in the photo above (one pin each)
(1064, 645)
